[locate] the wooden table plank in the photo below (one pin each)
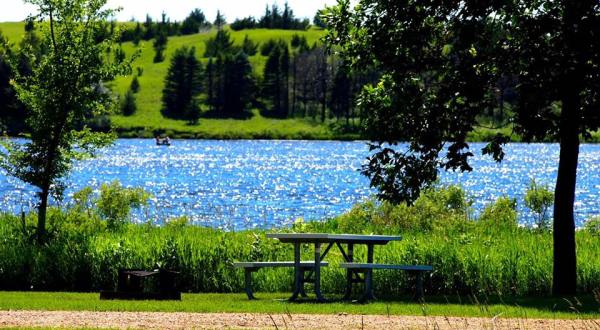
(333, 238)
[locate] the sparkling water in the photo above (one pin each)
(250, 184)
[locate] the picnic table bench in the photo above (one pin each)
(251, 267)
(367, 280)
(353, 270)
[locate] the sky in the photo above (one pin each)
(16, 10)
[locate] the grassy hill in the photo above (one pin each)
(148, 117)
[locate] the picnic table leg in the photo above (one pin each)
(349, 273)
(248, 283)
(298, 280)
(302, 289)
(419, 293)
(369, 274)
(318, 272)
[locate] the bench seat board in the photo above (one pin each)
(382, 266)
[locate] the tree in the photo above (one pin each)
(182, 85)
(268, 46)
(220, 20)
(341, 93)
(149, 28)
(160, 44)
(277, 19)
(137, 34)
(135, 85)
(221, 43)
(276, 80)
(249, 47)
(244, 23)
(194, 22)
(210, 84)
(239, 85)
(439, 69)
(12, 114)
(318, 20)
(63, 91)
(128, 104)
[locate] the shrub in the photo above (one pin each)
(502, 214)
(593, 226)
(539, 199)
(115, 203)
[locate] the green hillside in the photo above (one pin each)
(148, 117)
(13, 31)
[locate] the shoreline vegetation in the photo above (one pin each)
(485, 256)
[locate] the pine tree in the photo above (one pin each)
(160, 44)
(239, 85)
(284, 71)
(182, 85)
(219, 84)
(249, 47)
(341, 93)
(210, 84)
(287, 17)
(135, 85)
(221, 43)
(276, 76)
(137, 34)
(194, 22)
(128, 104)
(149, 28)
(267, 47)
(220, 20)
(12, 113)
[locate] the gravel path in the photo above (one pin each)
(129, 320)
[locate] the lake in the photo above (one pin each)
(250, 184)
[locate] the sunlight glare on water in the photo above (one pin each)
(262, 184)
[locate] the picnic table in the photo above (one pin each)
(319, 240)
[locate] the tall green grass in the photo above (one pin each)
(486, 256)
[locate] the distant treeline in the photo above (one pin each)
(273, 18)
(135, 31)
(196, 22)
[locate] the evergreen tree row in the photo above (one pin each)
(273, 18)
(182, 86)
(195, 22)
(297, 81)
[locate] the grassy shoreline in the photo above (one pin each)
(488, 255)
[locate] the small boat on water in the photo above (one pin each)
(163, 142)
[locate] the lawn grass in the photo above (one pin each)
(276, 303)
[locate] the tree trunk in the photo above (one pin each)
(294, 74)
(565, 259)
(41, 225)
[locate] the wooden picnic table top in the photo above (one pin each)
(333, 238)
